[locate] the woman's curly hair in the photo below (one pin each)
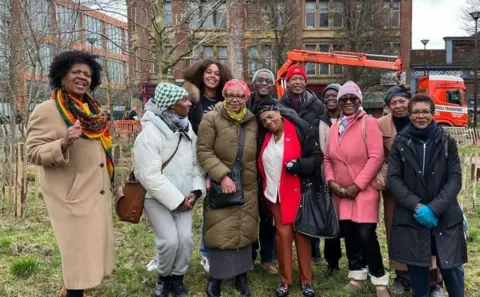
(194, 74)
(63, 62)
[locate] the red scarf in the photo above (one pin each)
(290, 185)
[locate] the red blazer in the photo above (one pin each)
(290, 184)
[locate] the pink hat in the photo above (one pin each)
(236, 83)
(350, 88)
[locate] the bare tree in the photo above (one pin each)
(365, 30)
(274, 28)
(468, 22)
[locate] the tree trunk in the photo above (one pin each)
(236, 46)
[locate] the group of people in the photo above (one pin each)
(213, 138)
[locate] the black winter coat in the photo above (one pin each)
(437, 187)
(311, 110)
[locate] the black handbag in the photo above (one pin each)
(216, 198)
(316, 216)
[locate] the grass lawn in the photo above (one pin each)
(30, 264)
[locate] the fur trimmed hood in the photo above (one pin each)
(193, 91)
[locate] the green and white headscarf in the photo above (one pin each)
(166, 95)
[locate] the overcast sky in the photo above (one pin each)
(435, 19)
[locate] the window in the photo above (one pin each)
(39, 15)
(206, 11)
(267, 57)
(167, 13)
(323, 15)
(253, 58)
(337, 14)
(324, 68)
(116, 71)
(396, 14)
(337, 69)
(68, 24)
(167, 51)
(310, 11)
(396, 49)
(94, 28)
(310, 68)
(43, 60)
(218, 53)
(454, 97)
(222, 55)
(115, 39)
(386, 11)
(280, 11)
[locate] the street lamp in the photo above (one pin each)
(424, 41)
(91, 40)
(475, 15)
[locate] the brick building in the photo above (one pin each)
(314, 25)
(37, 30)
(456, 59)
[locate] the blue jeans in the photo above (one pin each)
(453, 278)
(203, 250)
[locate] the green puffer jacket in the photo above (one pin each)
(218, 135)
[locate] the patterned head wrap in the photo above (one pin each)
(166, 95)
(236, 83)
(267, 105)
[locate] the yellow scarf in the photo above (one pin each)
(236, 116)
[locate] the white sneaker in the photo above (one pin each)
(205, 264)
(153, 265)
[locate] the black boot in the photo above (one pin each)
(213, 287)
(177, 286)
(162, 289)
(241, 285)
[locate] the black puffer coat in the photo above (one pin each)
(311, 110)
(437, 187)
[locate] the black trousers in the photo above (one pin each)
(75, 293)
(266, 236)
(332, 251)
(362, 247)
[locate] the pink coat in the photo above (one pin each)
(348, 162)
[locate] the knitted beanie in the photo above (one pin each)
(295, 70)
(263, 70)
(350, 88)
(167, 94)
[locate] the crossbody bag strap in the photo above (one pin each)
(174, 153)
(241, 146)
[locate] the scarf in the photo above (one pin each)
(400, 123)
(425, 134)
(344, 123)
(297, 100)
(180, 122)
(236, 116)
(92, 119)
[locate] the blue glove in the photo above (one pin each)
(425, 216)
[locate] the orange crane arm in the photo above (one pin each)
(335, 58)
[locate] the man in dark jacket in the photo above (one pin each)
(299, 98)
(263, 81)
(424, 176)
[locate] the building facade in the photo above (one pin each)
(456, 59)
(34, 31)
(269, 29)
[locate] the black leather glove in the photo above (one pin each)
(293, 166)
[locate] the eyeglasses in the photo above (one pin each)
(237, 97)
(425, 112)
(262, 80)
(344, 100)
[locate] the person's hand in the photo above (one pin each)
(72, 135)
(217, 106)
(293, 166)
(425, 216)
(185, 206)
(228, 186)
(336, 189)
(192, 199)
(352, 191)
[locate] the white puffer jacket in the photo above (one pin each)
(155, 145)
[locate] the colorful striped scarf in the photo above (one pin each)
(92, 119)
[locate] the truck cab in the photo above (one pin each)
(448, 93)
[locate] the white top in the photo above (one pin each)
(272, 160)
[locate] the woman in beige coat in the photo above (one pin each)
(68, 139)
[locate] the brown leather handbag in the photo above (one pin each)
(131, 195)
